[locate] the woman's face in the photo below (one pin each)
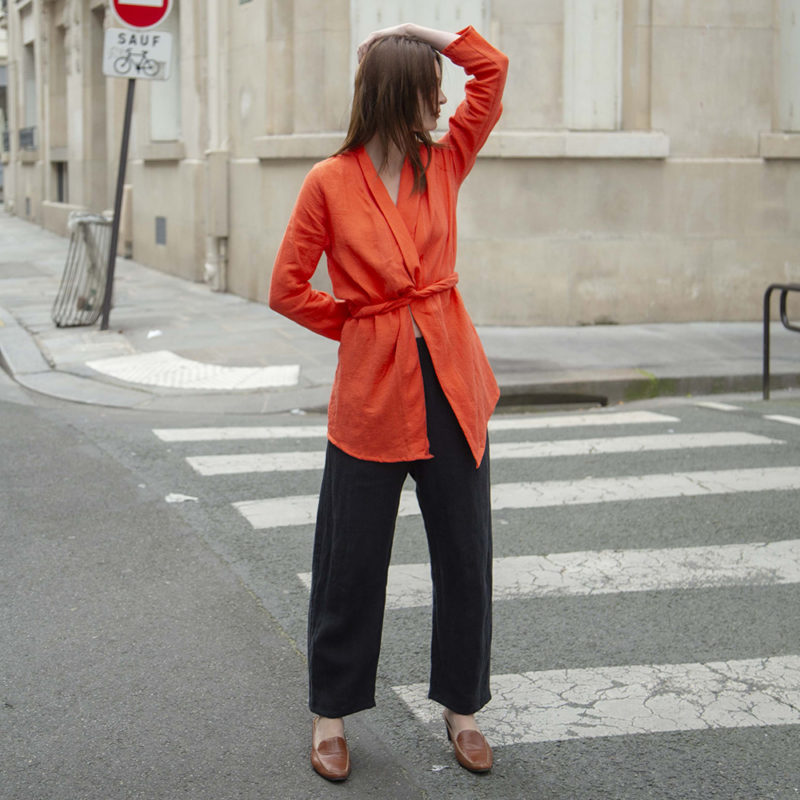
(428, 114)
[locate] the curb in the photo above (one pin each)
(596, 389)
(22, 359)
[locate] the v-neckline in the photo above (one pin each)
(394, 201)
(396, 215)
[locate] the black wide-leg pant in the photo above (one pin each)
(358, 507)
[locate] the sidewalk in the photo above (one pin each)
(177, 346)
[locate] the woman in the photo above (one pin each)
(413, 389)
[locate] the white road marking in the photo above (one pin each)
(257, 462)
(718, 406)
(598, 418)
(239, 433)
(612, 572)
(782, 418)
(290, 461)
(626, 444)
(177, 497)
(313, 431)
(301, 509)
(164, 368)
(565, 704)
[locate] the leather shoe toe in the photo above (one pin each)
(471, 749)
(331, 757)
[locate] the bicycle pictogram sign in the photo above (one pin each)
(135, 54)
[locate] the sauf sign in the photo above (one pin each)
(138, 51)
(135, 54)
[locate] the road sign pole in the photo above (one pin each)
(123, 160)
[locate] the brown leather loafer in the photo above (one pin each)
(471, 748)
(331, 757)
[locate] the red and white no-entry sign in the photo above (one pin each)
(141, 14)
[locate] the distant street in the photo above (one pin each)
(647, 578)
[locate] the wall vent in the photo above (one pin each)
(161, 230)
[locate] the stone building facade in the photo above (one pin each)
(646, 167)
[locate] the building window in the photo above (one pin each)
(60, 182)
(29, 85)
(789, 70)
(27, 138)
(58, 87)
(592, 64)
(165, 96)
(6, 143)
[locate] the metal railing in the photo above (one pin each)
(80, 295)
(785, 289)
(27, 138)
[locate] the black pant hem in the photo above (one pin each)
(454, 705)
(314, 709)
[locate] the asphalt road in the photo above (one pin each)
(154, 649)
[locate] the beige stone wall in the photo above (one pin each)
(684, 209)
(601, 241)
(174, 190)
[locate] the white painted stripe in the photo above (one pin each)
(718, 406)
(613, 572)
(257, 462)
(597, 418)
(782, 418)
(239, 433)
(301, 509)
(556, 705)
(165, 368)
(528, 423)
(644, 487)
(626, 444)
(290, 461)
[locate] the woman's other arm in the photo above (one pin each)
(304, 241)
(473, 120)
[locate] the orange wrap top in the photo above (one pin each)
(384, 259)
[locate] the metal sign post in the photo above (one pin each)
(133, 52)
(123, 160)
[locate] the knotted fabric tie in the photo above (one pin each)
(441, 285)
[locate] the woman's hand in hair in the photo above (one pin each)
(439, 40)
(395, 30)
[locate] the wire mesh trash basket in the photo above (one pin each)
(80, 296)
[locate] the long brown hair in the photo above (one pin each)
(393, 74)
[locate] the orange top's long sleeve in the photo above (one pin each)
(384, 259)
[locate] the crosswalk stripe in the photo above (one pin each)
(320, 431)
(598, 418)
(612, 572)
(783, 418)
(238, 433)
(563, 704)
(627, 444)
(301, 509)
(304, 460)
(257, 462)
